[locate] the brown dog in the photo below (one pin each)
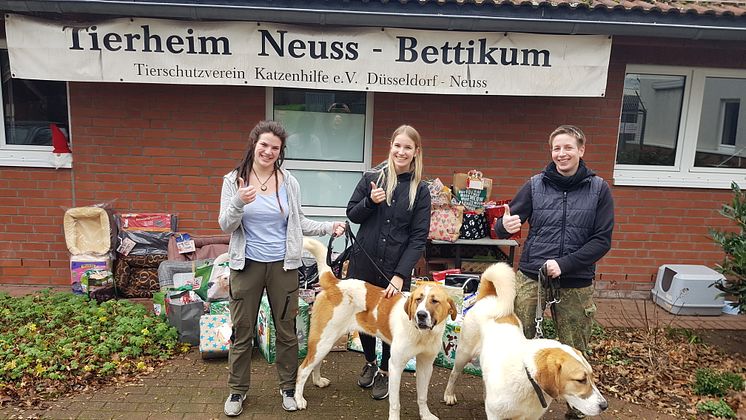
(413, 326)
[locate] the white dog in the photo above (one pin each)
(521, 376)
(413, 326)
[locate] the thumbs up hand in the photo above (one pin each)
(247, 193)
(377, 195)
(512, 224)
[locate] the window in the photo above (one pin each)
(681, 127)
(651, 110)
(30, 108)
(328, 145)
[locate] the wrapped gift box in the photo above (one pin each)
(447, 355)
(214, 335)
(265, 330)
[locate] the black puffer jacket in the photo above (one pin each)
(571, 224)
(393, 236)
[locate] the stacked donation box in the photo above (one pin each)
(194, 297)
(90, 236)
(142, 244)
(193, 291)
(461, 214)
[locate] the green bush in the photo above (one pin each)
(710, 382)
(734, 246)
(717, 409)
(59, 341)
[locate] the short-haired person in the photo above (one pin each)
(260, 208)
(571, 216)
(391, 203)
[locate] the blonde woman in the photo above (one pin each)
(391, 204)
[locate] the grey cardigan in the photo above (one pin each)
(231, 214)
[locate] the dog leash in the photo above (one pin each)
(552, 295)
(352, 239)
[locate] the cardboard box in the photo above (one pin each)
(265, 330)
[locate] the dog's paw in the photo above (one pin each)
(322, 382)
(428, 416)
(300, 402)
(450, 399)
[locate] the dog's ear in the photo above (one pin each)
(408, 306)
(548, 374)
(453, 310)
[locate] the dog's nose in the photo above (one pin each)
(421, 316)
(603, 405)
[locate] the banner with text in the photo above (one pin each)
(264, 54)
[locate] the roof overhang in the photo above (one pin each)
(407, 14)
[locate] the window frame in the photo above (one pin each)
(683, 173)
(30, 156)
(327, 211)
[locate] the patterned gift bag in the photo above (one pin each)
(445, 222)
(474, 226)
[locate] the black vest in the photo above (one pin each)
(561, 222)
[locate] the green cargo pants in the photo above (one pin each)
(574, 313)
(246, 287)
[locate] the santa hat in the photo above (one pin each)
(59, 140)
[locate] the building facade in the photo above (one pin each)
(157, 100)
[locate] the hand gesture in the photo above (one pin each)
(394, 287)
(553, 269)
(512, 224)
(377, 195)
(246, 193)
(339, 229)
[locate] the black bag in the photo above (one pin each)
(308, 275)
(469, 282)
(185, 318)
(337, 264)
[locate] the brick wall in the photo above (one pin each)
(165, 148)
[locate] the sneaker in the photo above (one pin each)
(380, 386)
(366, 377)
(573, 413)
(234, 405)
(288, 400)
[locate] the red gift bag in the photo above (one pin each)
(493, 213)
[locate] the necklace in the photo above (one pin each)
(263, 185)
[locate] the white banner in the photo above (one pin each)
(262, 54)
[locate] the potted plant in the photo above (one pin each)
(734, 246)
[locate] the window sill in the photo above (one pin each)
(677, 180)
(34, 159)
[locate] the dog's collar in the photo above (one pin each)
(537, 389)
